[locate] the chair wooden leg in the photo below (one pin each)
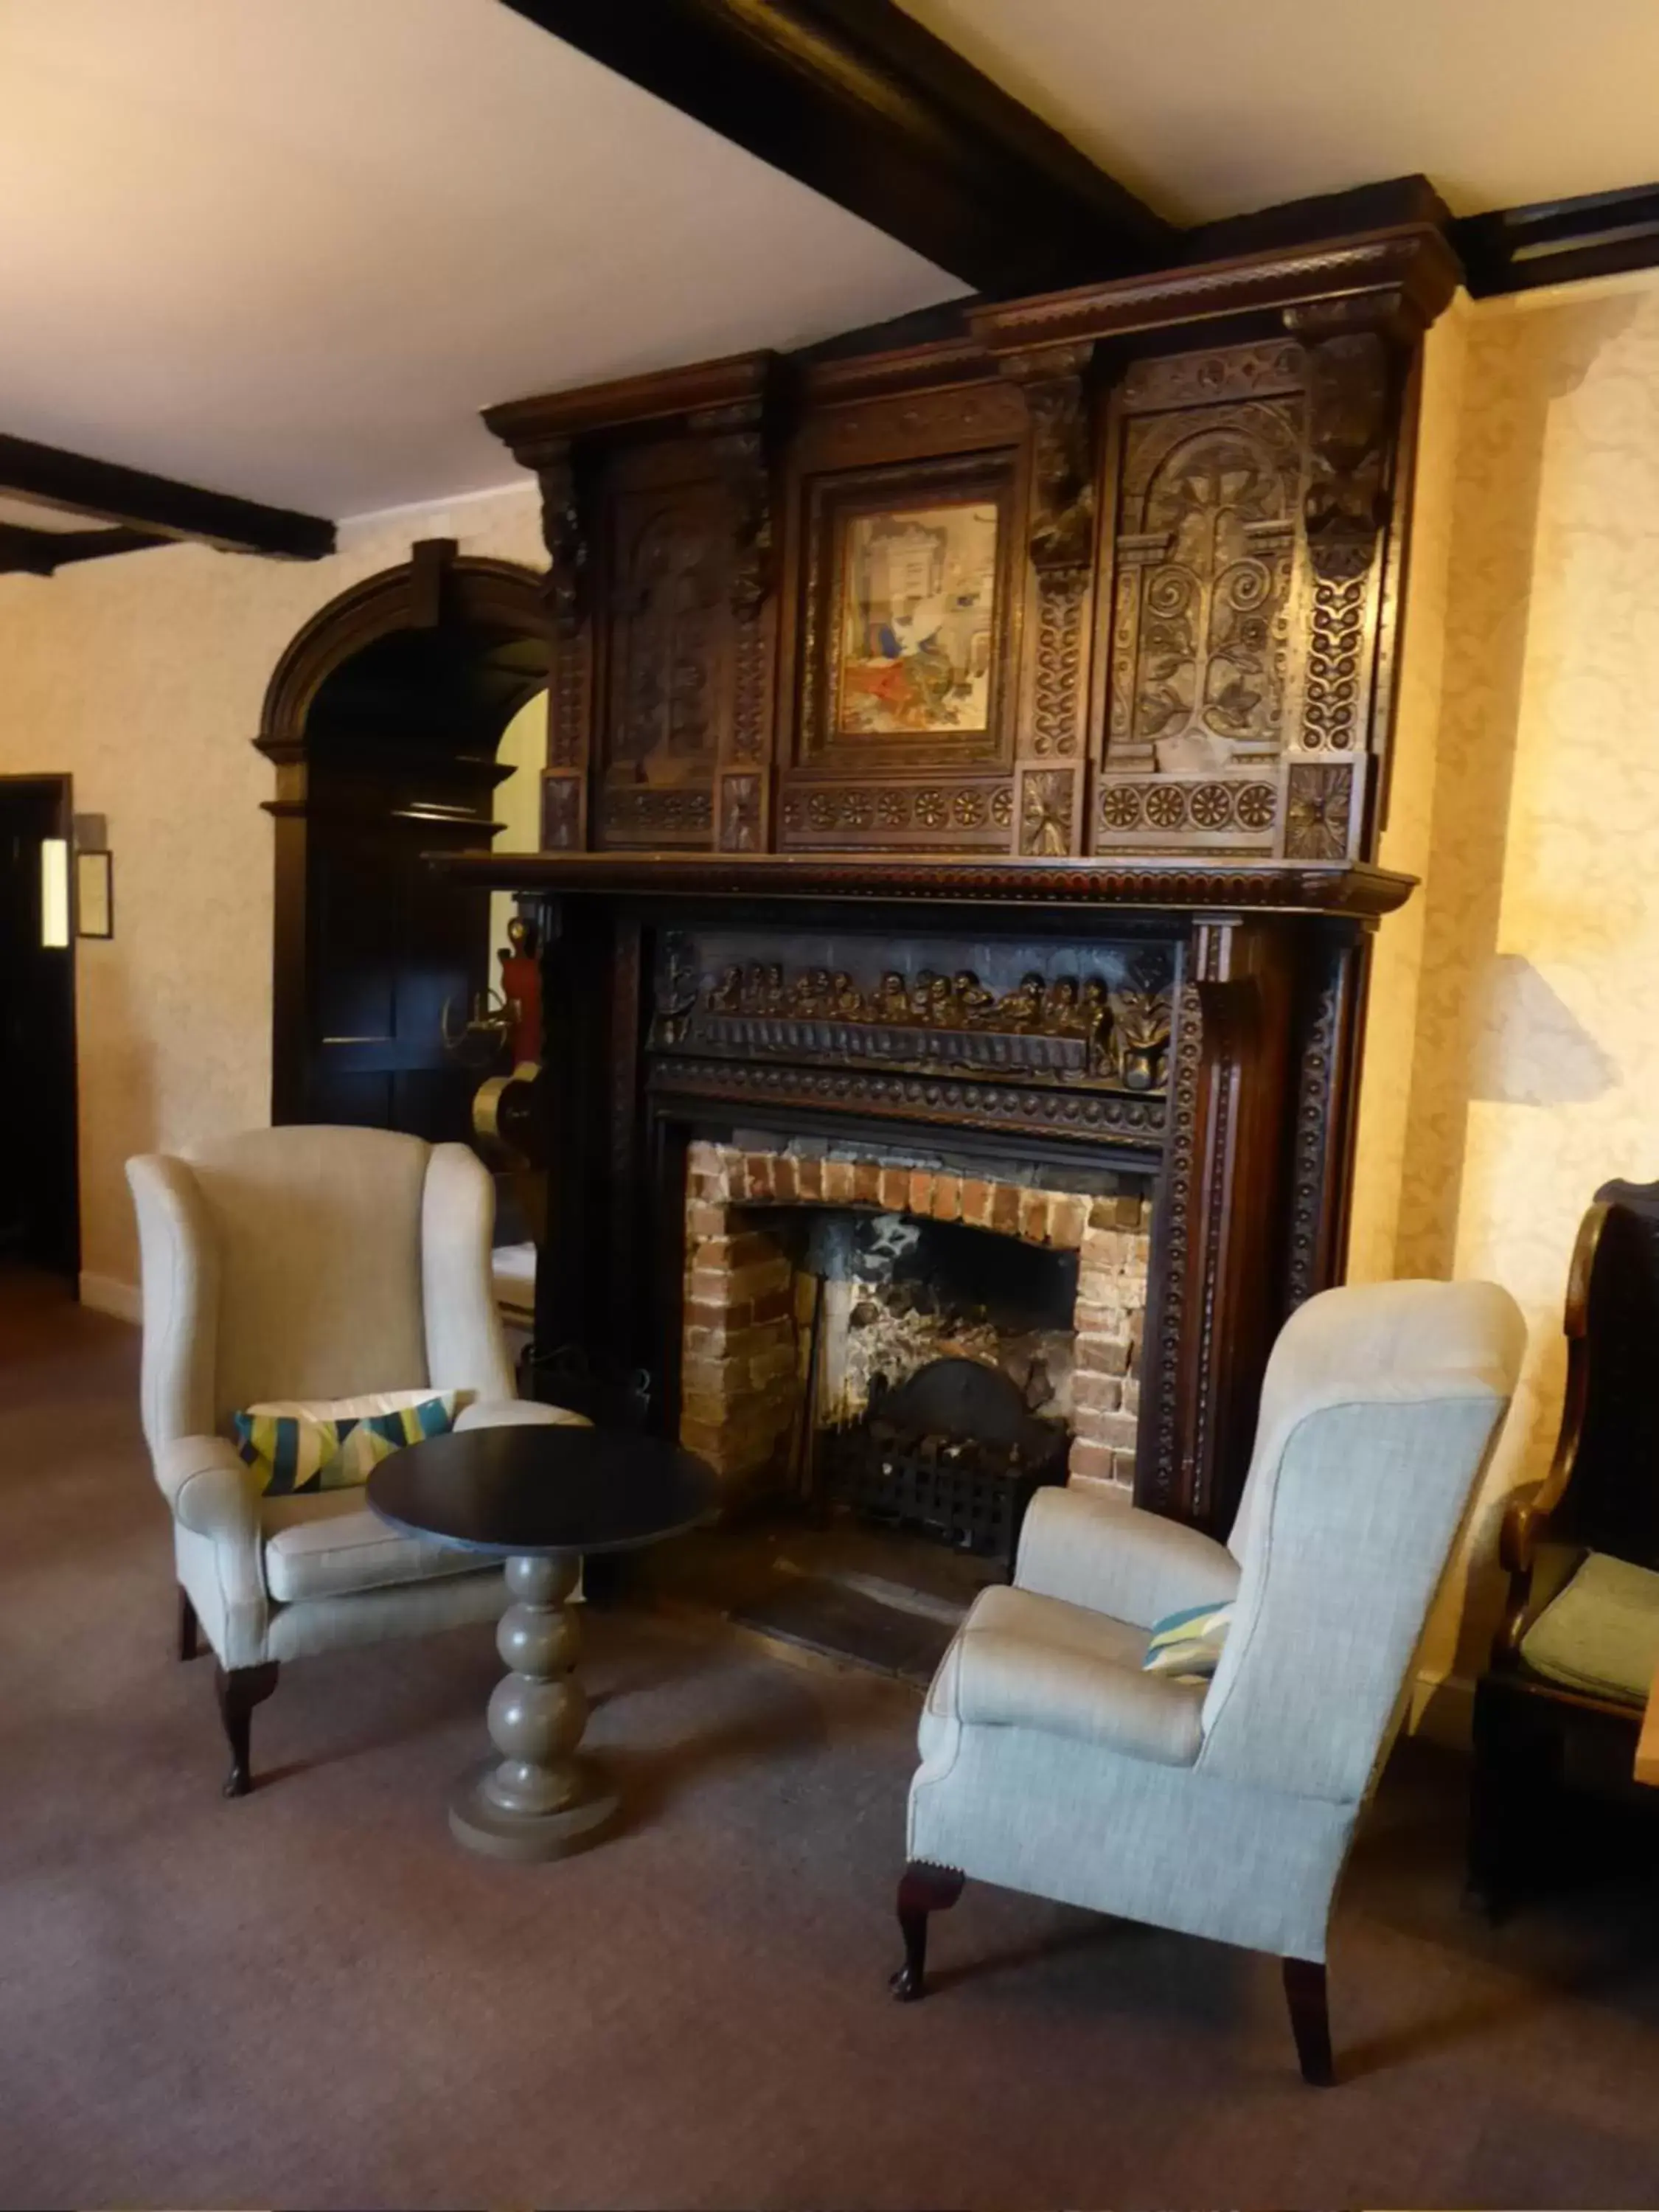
(922, 1889)
(189, 1641)
(1311, 2020)
(1516, 1785)
(1490, 1886)
(240, 1689)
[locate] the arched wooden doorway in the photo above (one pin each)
(383, 719)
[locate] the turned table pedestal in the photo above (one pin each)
(539, 1497)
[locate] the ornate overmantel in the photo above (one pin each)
(986, 743)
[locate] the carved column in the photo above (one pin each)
(1213, 1308)
(743, 783)
(570, 694)
(1060, 543)
(1330, 1024)
(1345, 514)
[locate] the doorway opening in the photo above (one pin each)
(401, 718)
(408, 717)
(40, 1197)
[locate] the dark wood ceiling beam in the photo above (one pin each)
(855, 98)
(158, 507)
(1560, 241)
(25, 552)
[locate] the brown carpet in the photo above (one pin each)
(313, 1997)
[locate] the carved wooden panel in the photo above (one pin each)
(669, 660)
(1200, 699)
(960, 815)
(1249, 506)
(838, 433)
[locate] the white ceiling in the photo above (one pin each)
(1214, 107)
(289, 248)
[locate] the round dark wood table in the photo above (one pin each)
(539, 1496)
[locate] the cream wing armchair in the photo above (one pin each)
(1051, 1763)
(310, 1263)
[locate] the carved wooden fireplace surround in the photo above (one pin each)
(982, 749)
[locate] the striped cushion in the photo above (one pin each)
(293, 1448)
(1187, 1645)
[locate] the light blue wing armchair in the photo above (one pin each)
(1051, 1763)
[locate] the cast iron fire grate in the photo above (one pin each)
(953, 1453)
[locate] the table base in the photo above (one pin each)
(536, 1800)
(477, 1821)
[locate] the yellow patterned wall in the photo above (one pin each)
(1513, 1049)
(1398, 952)
(143, 677)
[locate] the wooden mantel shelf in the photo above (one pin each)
(1277, 886)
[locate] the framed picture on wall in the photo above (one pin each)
(94, 896)
(906, 626)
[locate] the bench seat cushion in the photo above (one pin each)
(1601, 1634)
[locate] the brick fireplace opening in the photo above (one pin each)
(776, 1310)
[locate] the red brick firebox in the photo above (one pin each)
(745, 1356)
